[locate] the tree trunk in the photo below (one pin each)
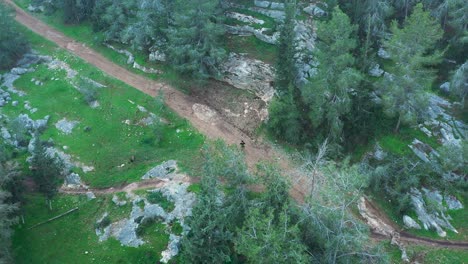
(397, 128)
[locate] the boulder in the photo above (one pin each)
(262, 4)
(117, 201)
(314, 10)
(383, 54)
(453, 203)
(445, 87)
(245, 18)
(73, 180)
(164, 170)
(375, 71)
(410, 223)
(249, 74)
(90, 195)
(66, 126)
(19, 71)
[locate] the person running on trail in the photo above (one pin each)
(242, 143)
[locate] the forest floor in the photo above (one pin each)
(256, 149)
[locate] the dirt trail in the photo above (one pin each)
(255, 149)
(182, 104)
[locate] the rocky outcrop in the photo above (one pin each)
(410, 223)
(305, 43)
(430, 220)
(164, 170)
(249, 74)
(261, 33)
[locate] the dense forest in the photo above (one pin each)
(376, 69)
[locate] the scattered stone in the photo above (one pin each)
(263, 34)
(376, 71)
(66, 126)
(94, 104)
(379, 153)
(410, 223)
(245, 18)
(90, 195)
(314, 10)
(445, 87)
(164, 170)
(422, 150)
(130, 57)
(277, 15)
(144, 69)
(117, 201)
(14, 103)
(20, 71)
(61, 65)
(204, 113)
(157, 56)
(73, 181)
(453, 203)
(172, 248)
(141, 109)
(383, 54)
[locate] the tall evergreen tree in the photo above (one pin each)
(46, 170)
(404, 87)
(194, 40)
(328, 96)
(286, 68)
(208, 239)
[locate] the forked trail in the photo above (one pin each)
(255, 149)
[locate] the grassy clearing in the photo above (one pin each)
(110, 142)
(66, 240)
(253, 47)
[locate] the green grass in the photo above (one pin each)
(158, 198)
(253, 47)
(110, 143)
(66, 239)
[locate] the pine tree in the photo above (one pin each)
(208, 239)
(46, 170)
(285, 68)
(404, 87)
(194, 40)
(261, 240)
(328, 96)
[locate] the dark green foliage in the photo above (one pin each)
(12, 43)
(328, 96)
(286, 121)
(263, 240)
(286, 69)
(194, 39)
(106, 221)
(404, 89)
(159, 199)
(209, 237)
(76, 11)
(46, 170)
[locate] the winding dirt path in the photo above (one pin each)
(255, 149)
